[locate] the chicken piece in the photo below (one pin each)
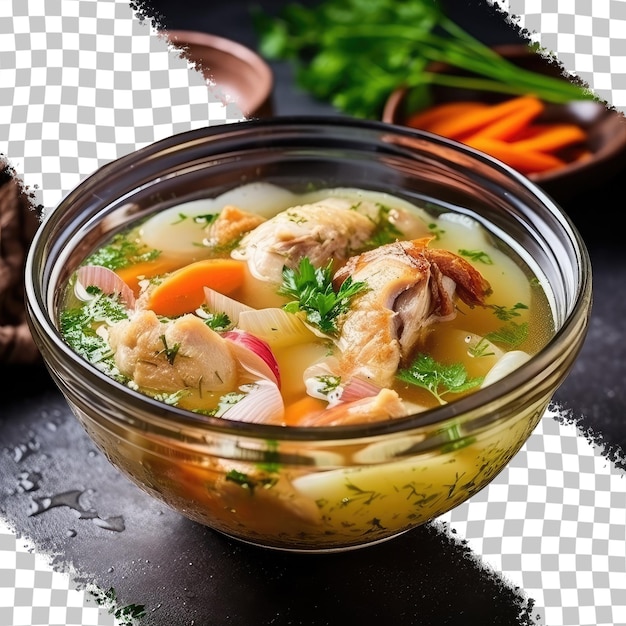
(230, 225)
(181, 354)
(409, 287)
(333, 228)
(386, 404)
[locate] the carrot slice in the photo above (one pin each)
(552, 137)
(425, 118)
(183, 290)
(525, 161)
(132, 274)
(473, 121)
(508, 126)
(301, 408)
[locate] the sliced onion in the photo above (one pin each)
(219, 303)
(358, 388)
(254, 355)
(313, 383)
(275, 326)
(262, 404)
(104, 279)
(353, 389)
(505, 365)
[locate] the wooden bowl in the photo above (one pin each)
(605, 127)
(239, 74)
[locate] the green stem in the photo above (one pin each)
(484, 84)
(468, 55)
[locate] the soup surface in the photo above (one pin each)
(338, 306)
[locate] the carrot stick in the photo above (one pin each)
(475, 120)
(584, 155)
(183, 290)
(508, 126)
(552, 137)
(425, 118)
(525, 161)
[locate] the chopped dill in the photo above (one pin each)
(170, 352)
(122, 252)
(78, 327)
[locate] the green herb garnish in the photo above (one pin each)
(438, 378)
(126, 615)
(354, 53)
(512, 335)
(435, 230)
(205, 219)
(78, 327)
(226, 402)
(245, 481)
(385, 231)
(170, 352)
(216, 321)
(478, 256)
(505, 314)
(122, 252)
(481, 348)
(313, 294)
(328, 383)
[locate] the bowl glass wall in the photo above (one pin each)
(328, 488)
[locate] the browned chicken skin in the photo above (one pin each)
(409, 286)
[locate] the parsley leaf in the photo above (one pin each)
(216, 321)
(438, 378)
(313, 293)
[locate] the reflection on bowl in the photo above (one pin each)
(239, 74)
(322, 488)
(604, 147)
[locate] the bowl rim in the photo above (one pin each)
(41, 322)
(264, 80)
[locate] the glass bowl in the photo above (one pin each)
(341, 487)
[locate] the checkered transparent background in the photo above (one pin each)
(586, 36)
(83, 82)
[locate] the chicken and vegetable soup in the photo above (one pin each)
(338, 306)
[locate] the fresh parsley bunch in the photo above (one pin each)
(354, 53)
